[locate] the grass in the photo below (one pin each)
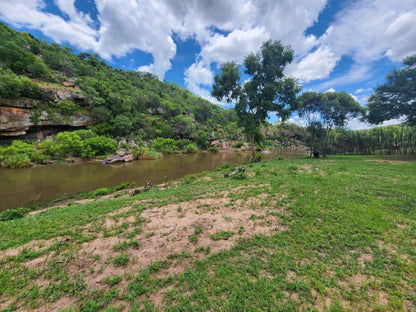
(343, 238)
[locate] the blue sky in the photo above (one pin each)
(339, 45)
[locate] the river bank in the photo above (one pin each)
(324, 235)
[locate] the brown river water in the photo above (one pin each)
(19, 187)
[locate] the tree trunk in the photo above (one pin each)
(253, 149)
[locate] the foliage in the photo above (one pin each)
(122, 103)
(145, 153)
(13, 214)
(396, 97)
(165, 146)
(68, 143)
(18, 155)
(238, 144)
(323, 112)
(267, 90)
(387, 140)
(99, 145)
(213, 149)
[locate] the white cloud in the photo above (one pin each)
(365, 31)
(330, 90)
(316, 65)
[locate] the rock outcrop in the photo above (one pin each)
(23, 115)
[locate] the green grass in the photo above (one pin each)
(348, 244)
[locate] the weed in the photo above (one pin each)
(121, 260)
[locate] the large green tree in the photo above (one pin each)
(397, 97)
(267, 89)
(324, 112)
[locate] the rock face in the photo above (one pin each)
(19, 116)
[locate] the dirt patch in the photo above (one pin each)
(363, 258)
(389, 161)
(61, 303)
(179, 233)
(306, 167)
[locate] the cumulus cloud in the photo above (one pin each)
(316, 65)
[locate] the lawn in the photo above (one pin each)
(335, 234)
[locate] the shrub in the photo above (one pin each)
(190, 148)
(213, 149)
(68, 143)
(143, 152)
(47, 147)
(121, 260)
(100, 145)
(165, 146)
(238, 144)
(13, 214)
(17, 161)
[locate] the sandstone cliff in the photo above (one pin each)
(21, 116)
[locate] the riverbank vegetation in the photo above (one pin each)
(286, 235)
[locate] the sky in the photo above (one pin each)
(348, 45)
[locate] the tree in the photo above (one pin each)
(323, 112)
(267, 90)
(397, 97)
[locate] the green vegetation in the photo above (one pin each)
(293, 235)
(396, 97)
(122, 103)
(80, 143)
(267, 90)
(323, 112)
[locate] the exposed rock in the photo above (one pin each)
(17, 115)
(117, 159)
(68, 84)
(16, 121)
(21, 102)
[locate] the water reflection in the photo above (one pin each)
(20, 186)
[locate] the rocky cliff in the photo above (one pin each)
(21, 116)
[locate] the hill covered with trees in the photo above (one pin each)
(45, 88)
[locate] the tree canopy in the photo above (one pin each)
(267, 89)
(396, 97)
(323, 112)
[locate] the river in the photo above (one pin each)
(19, 187)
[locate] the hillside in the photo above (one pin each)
(45, 88)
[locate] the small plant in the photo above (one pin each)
(112, 281)
(222, 235)
(121, 260)
(238, 144)
(193, 239)
(198, 230)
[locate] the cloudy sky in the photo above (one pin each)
(347, 45)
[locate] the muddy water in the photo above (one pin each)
(18, 187)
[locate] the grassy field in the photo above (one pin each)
(336, 234)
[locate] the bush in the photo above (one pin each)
(10, 85)
(143, 152)
(238, 144)
(13, 214)
(68, 143)
(100, 145)
(165, 146)
(17, 161)
(213, 149)
(47, 147)
(190, 148)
